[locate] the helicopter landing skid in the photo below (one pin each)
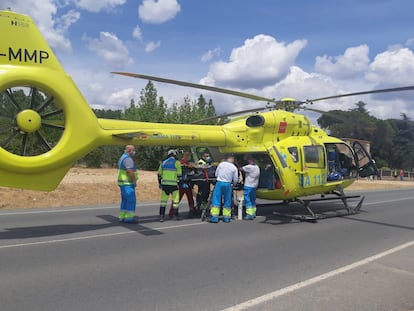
(312, 216)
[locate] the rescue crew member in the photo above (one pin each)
(169, 173)
(185, 187)
(226, 173)
(127, 181)
(203, 186)
(251, 182)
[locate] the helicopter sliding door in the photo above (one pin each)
(314, 166)
(342, 163)
(366, 165)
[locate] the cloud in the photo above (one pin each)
(151, 46)
(261, 61)
(97, 6)
(158, 11)
(392, 67)
(137, 33)
(43, 13)
(111, 48)
(207, 56)
(122, 97)
(352, 63)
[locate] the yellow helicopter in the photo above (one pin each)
(46, 125)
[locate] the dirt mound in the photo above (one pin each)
(81, 186)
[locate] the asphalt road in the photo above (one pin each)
(81, 258)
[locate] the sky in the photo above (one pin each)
(301, 49)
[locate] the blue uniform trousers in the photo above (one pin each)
(249, 194)
(128, 203)
(221, 189)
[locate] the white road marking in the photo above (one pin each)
(389, 201)
(99, 235)
(68, 209)
(63, 210)
(286, 290)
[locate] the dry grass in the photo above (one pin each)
(82, 186)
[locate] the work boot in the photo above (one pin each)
(171, 212)
(192, 213)
(176, 216)
(162, 213)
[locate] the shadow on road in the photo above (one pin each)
(281, 213)
(63, 229)
(379, 223)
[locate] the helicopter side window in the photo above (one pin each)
(314, 156)
(293, 151)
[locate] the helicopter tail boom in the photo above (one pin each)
(118, 132)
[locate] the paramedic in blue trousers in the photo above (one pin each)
(251, 181)
(127, 181)
(227, 174)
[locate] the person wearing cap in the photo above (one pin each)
(227, 175)
(169, 175)
(251, 181)
(127, 181)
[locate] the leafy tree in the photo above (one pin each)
(392, 141)
(108, 114)
(403, 144)
(354, 123)
(149, 109)
(382, 143)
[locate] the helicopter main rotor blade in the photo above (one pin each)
(197, 86)
(395, 89)
(332, 114)
(229, 115)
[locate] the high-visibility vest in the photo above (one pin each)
(123, 178)
(170, 171)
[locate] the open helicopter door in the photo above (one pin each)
(284, 181)
(366, 165)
